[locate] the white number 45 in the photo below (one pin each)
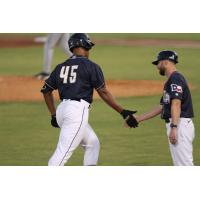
(64, 73)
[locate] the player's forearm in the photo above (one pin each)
(50, 102)
(156, 111)
(175, 111)
(109, 99)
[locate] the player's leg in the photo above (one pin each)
(72, 120)
(63, 43)
(52, 39)
(51, 42)
(91, 147)
(182, 152)
(69, 140)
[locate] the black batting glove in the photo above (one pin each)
(132, 122)
(129, 118)
(126, 113)
(54, 121)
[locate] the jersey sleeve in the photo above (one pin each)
(97, 78)
(50, 84)
(176, 88)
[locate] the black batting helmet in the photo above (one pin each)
(166, 55)
(80, 40)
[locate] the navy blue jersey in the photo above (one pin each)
(75, 79)
(176, 88)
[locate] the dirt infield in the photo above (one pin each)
(19, 89)
(20, 41)
(16, 42)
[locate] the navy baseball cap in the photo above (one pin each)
(166, 55)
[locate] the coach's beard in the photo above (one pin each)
(162, 71)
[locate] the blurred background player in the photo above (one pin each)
(52, 40)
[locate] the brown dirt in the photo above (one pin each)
(18, 88)
(20, 41)
(15, 42)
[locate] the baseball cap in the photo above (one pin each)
(166, 55)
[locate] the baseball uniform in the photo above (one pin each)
(176, 87)
(75, 80)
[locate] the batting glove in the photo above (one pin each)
(54, 121)
(129, 118)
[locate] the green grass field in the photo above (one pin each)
(26, 138)
(167, 36)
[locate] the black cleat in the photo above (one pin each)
(42, 76)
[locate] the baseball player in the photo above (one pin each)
(175, 108)
(75, 80)
(53, 39)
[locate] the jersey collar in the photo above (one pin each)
(77, 56)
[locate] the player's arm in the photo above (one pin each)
(98, 82)
(148, 115)
(126, 114)
(49, 100)
(47, 90)
(109, 99)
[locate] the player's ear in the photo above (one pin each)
(87, 54)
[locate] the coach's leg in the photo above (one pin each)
(182, 152)
(91, 147)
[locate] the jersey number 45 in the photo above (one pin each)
(68, 74)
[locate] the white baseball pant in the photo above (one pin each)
(181, 152)
(72, 117)
(52, 39)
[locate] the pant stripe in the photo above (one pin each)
(73, 138)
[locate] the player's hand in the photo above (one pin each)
(173, 136)
(54, 121)
(127, 126)
(129, 118)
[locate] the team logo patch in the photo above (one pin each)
(176, 88)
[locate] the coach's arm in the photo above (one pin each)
(148, 115)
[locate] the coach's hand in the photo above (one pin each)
(173, 136)
(129, 118)
(54, 121)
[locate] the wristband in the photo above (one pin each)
(173, 125)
